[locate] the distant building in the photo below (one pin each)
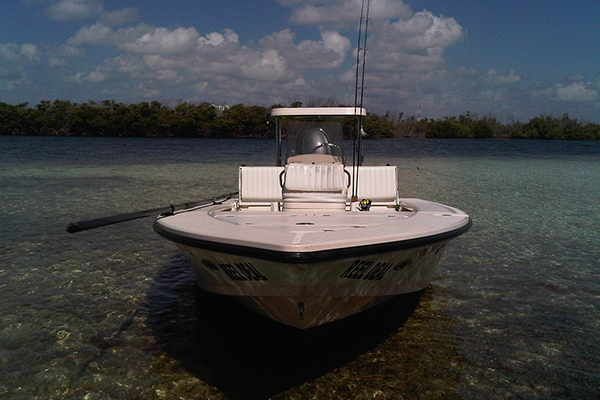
(220, 108)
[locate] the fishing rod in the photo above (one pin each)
(358, 100)
(74, 227)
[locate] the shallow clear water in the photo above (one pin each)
(113, 313)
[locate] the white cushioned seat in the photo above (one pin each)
(259, 185)
(315, 186)
(377, 183)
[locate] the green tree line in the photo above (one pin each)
(154, 119)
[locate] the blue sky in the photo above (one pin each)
(510, 59)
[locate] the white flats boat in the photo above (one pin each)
(298, 246)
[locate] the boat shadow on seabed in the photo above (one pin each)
(247, 356)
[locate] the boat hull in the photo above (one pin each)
(305, 295)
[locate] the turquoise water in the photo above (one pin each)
(113, 313)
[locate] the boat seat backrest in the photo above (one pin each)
(315, 178)
(377, 183)
(263, 184)
(259, 184)
(315, 186)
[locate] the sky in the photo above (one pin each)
(510, 59)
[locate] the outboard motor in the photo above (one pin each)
(316, 141)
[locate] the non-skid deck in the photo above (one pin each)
(308, 232)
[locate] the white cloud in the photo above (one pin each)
(326, 54)
(168, 75)
(572, 92)
(215, 64)
(467, 73)
(405, 56)
(69, 10)
(75, 78)
(14, 59)
(336, 42)
(143, 38)
(267, 65)
(405, 59)
(16, 54)
(65, 51)
(164, 41)
(97, 34)
(119, 17)
(416, 44)
(146, 39)
(424, 33)
(59, 56)
(97, 76)
(344, 12)
(576, 92)
(126, 65)
(217, 38)
(494, 77)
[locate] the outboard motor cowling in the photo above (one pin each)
(316, 141)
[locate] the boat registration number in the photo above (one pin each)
(368, 270)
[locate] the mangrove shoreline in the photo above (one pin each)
(204, 120)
